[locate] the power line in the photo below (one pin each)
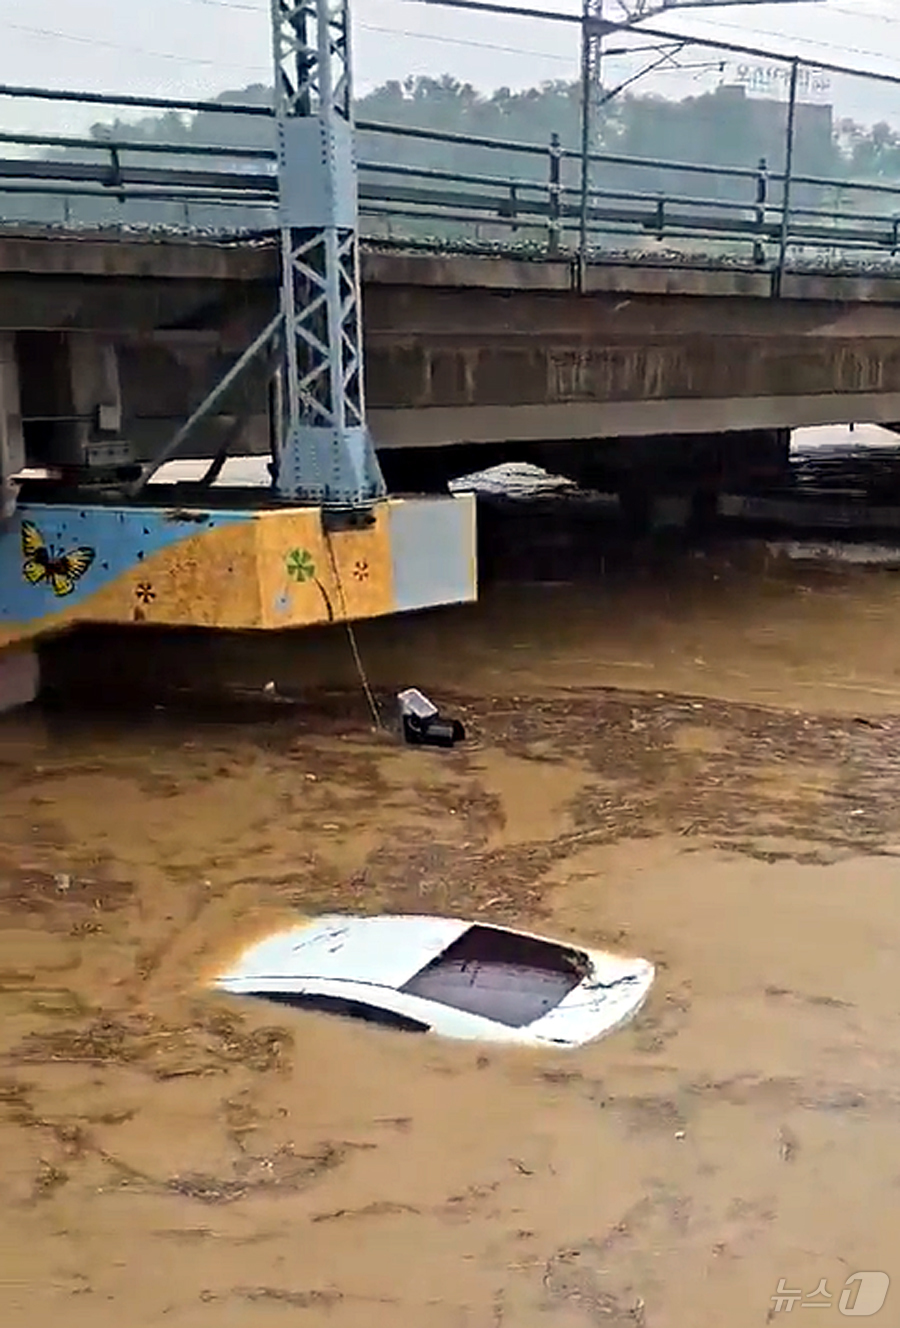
(55, 34)
(231, 4)
(711, 43)
(82, 40)
(259, 10)
(807, 41)
(673, 67)
(242, 7)
(460, 41)
(863, 13)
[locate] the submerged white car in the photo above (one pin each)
(459, 979)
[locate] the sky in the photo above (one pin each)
(198, 47)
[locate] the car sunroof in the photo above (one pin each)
(511, 979)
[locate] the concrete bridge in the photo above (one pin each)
(109, 340)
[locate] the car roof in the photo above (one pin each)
(385, 951)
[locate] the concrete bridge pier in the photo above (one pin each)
(12, 442)
(666, 481)
(71, 395)
(20, 677)
(662, 481)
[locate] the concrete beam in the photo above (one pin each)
(113, 254)
(615, 276)
(445, 426)
(466, 272)
(122, 305)
(482, 317)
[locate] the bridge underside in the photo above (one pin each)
(486, 366)
(110, 344)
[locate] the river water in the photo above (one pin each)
(692, 755)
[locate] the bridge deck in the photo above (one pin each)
(194, 257)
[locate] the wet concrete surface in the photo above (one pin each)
(694, 756)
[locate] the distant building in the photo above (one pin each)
(763, 120)
(726, 127)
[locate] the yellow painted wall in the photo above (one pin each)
(279, 569)
(306, 575)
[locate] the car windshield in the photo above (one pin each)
(511, 979)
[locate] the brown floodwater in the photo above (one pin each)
(696, 759)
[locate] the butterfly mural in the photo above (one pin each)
(41, 562)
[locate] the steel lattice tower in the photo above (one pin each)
(326, 454)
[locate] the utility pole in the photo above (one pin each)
(325, 453)
(591, 57)
(593, 31)
(591, 69)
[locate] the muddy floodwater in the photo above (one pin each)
(696, 761)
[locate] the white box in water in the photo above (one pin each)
(415, 703)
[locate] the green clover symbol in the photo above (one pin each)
(300, 565)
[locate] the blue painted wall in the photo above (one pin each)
(121, 538)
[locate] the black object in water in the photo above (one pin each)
(432, 732)
(423, 725)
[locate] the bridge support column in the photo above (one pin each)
(72, 400)
(326, 454)
(20, 677)
(12, 443)
(94, 436)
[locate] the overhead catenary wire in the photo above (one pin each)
(443, 40)
(712, 43)
(864, 13)
(509, 10)
(860, 12)
(497, 8)
(103, 43)
(472, 42)
(243, 6)
(808, 41)
(433, 37)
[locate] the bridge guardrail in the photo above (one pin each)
(746, 211)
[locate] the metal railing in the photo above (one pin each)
(545, 197)
(553, 208)
(542, 211)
